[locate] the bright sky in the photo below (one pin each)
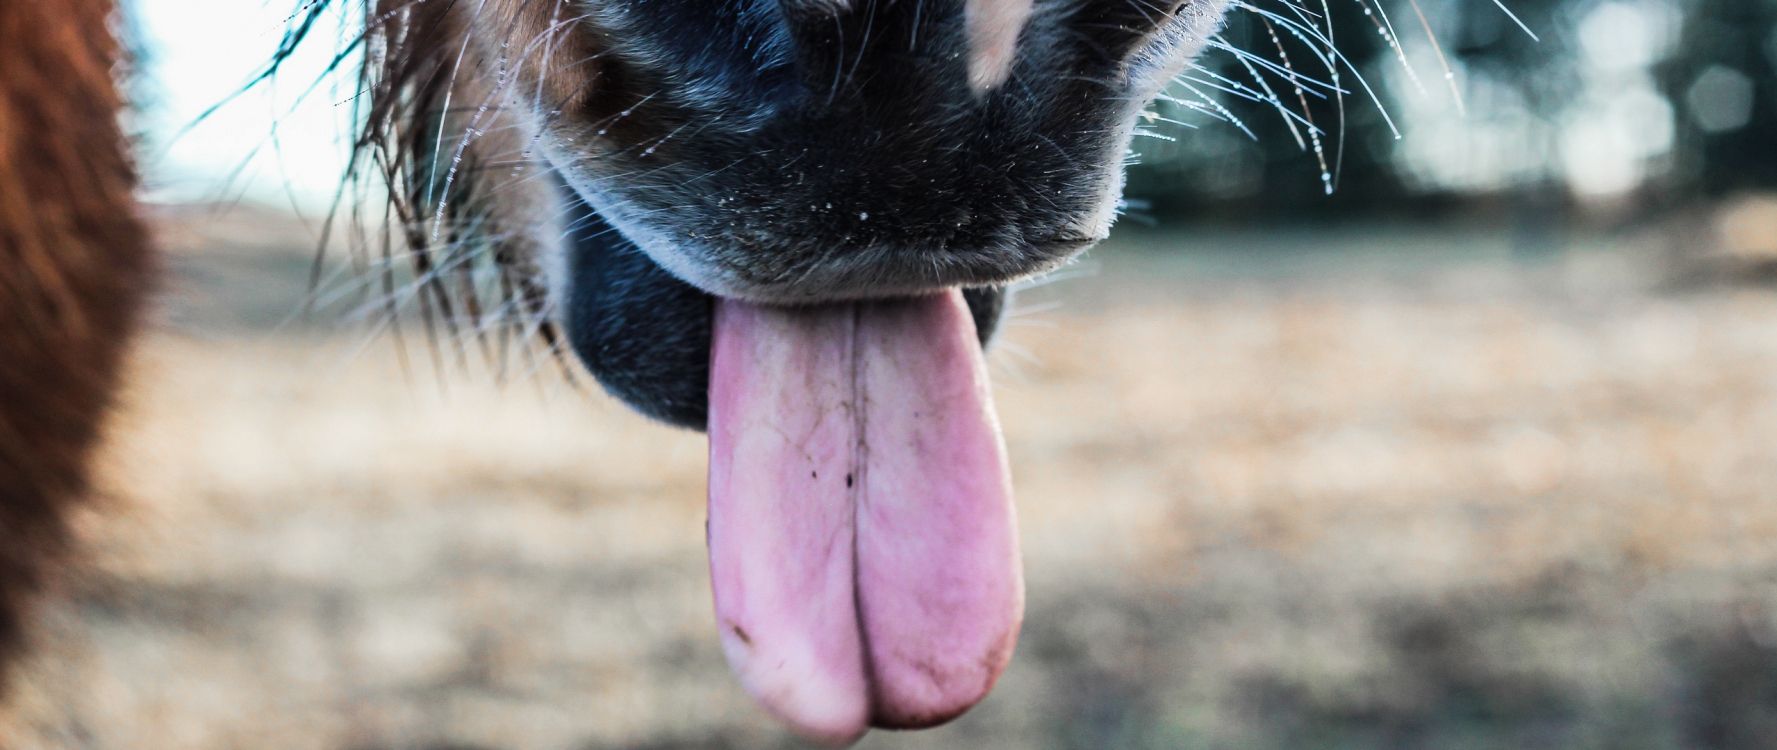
(200, 51)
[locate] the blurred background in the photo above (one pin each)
(1433, 405)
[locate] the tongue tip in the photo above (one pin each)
(828, 736)
(917, 703)
(906, 717)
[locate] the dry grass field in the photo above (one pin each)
(1310, 488)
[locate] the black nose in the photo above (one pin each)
(804, 151)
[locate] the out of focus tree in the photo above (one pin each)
(1724, 81)
(1644, 103)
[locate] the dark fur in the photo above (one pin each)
(74, 266)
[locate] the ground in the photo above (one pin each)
(1320, 487)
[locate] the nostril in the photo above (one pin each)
(1116, 28)
(813, 10)
(835, 43)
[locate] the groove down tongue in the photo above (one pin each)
(863, 548)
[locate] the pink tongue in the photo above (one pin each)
(862, 541)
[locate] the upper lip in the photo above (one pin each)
(1064, 243)
(867, 272)
(909, 277)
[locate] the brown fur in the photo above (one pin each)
(74, 266)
